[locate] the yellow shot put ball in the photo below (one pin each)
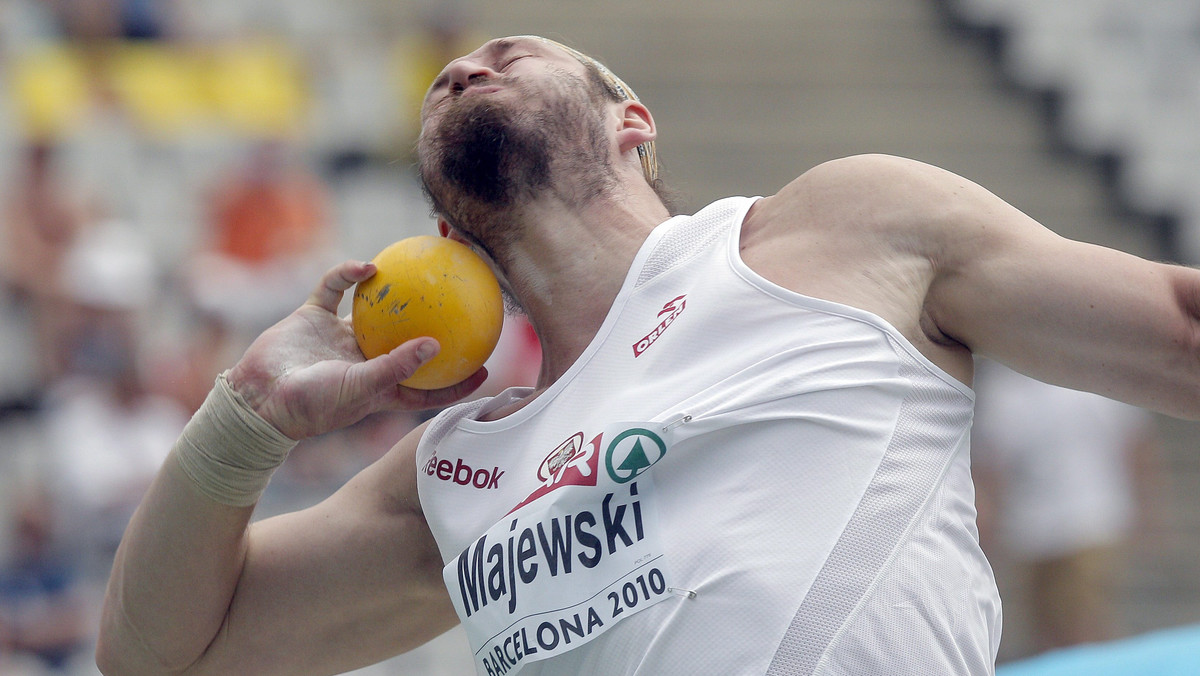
(430, 286)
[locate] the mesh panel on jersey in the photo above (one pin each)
(689, 238)
(921, 447)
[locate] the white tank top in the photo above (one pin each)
(732, 479)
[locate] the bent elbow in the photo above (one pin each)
(117, 656)
(120, 650)
(122, 658)
(113, 658)
(108, 657)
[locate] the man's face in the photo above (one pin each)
(511, 122)
(494, 59)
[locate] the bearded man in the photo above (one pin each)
(746, 452)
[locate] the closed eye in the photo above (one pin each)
(514, 60)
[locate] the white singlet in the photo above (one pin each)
(732, 479)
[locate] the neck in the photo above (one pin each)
(568, 266)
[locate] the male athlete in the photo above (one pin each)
(747, 451)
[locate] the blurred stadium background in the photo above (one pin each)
(178, 172)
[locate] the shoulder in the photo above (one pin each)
(875, 205)
(905, 205)
(883, 189)
(880, 232)
(866, 166)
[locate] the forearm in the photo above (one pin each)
(1159, 358)
(173, 578)
(1080, 316)
(178, 566)
(319, 591)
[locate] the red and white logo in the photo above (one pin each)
(672, 309)
(571, 463)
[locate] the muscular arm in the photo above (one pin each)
(343, 584)
(1067, 312)
(195, 589)
(961, 272)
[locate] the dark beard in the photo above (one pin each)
(484, 161)
(480, 163)
(487, 156)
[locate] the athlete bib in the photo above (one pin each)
(580, 554)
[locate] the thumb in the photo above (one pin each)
(381, 375)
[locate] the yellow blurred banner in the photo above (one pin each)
(50, 87)
(255, 88)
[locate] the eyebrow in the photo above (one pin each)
(503, 45)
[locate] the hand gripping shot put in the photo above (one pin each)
(430, 286)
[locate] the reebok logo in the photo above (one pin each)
(672, 309)
(463, 474)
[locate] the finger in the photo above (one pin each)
(335, 282)
(379, 378)
(449, 395)
(382, 375)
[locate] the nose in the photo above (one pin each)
(467, 71)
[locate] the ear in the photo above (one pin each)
(636, 126)
(449, 232)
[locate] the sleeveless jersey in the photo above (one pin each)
(732, 479)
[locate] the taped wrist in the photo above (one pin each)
(229, 451)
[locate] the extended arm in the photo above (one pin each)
(1067, 312)
(961, 272)
(195, 589)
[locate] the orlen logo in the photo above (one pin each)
(672, 309)
(463, 474)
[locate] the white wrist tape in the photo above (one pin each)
(228, 450)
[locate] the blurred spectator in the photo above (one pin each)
(97, 29)
(199, 350)
(97, 20)
(269, 235)
(43, 607)
(105, 433)
(1062, 480)
(270, 210)
(44, 216)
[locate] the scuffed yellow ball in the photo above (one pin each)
(430, 286)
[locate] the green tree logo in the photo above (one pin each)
(633, 452)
